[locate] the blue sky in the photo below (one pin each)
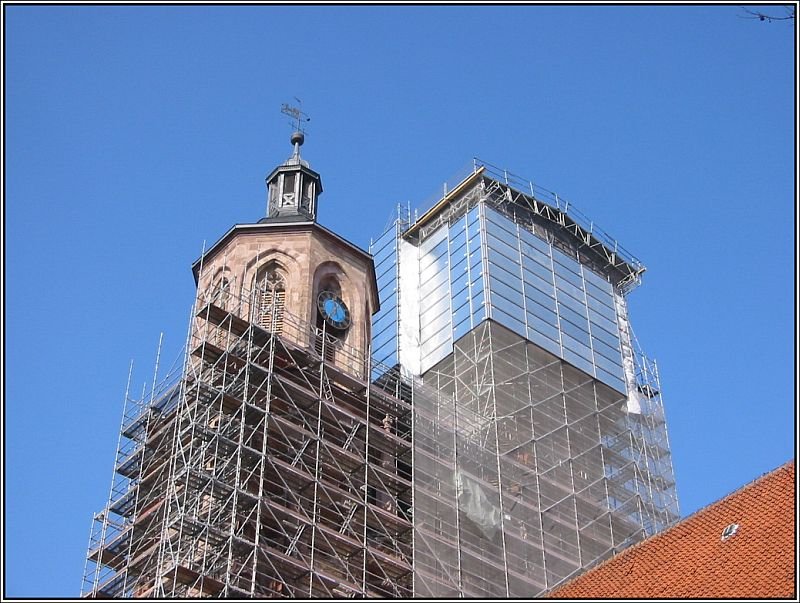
(134, 134)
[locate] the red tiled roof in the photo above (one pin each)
(691, 559)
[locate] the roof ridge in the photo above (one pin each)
(744, 486)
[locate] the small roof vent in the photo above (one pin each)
(729, 531)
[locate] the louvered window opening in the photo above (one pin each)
(271, 303)
(329, 347)
(271, 318)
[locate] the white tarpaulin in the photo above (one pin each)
(634, 403)
(472, 501)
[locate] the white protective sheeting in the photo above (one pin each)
(475, 504)
(408, 291)
(634, 401)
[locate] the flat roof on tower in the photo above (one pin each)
(510, 190)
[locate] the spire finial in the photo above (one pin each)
(298, 117)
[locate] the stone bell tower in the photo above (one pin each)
(273, 467)
(287, 264)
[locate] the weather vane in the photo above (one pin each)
(296, 114)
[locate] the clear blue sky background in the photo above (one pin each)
(134, 134)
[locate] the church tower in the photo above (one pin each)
(288, 263)
(271, 466)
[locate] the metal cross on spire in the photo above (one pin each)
(296, 114)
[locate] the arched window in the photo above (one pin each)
(270, 300)
(221, 293)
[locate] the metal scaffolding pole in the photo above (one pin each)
(248, 473)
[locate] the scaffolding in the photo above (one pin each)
(265, 470)
(531, 464)
(271, 468)
(280, 462)
(536, 473)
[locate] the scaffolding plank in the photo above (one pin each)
(299, 389)
(378, 517)
(296, 565)
(110, 589)
(219, 316)
(386, 562)
(125, 504)
(390, 479)
(205, 394)
(113, 553)
(344, 379)
(277, 420)
(211, 354)
(345, 543)
(289, 473)
(381, 439)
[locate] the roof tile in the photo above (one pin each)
(691, 559)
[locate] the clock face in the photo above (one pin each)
(333, 310)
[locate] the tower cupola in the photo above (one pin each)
(293, 187)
